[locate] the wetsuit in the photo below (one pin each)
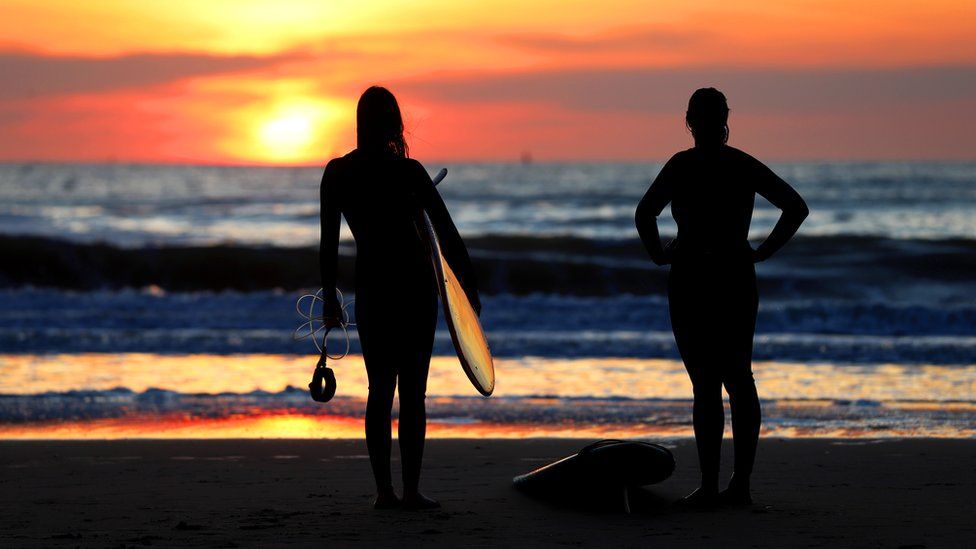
(396, 295)
(712, 291)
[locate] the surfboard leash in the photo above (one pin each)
(323, 385)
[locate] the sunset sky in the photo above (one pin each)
(251, 82)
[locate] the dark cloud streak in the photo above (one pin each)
(27, 76)
(750, 90)
(627, 40)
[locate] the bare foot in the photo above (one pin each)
(417, 501)
(699, 500)
(735, 495)
(386, 500)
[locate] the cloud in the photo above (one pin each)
(750, 90)
(620, 39)
(27, 76)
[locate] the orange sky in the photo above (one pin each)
(276, 82)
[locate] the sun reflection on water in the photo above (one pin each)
(621, 397)
(527, 376)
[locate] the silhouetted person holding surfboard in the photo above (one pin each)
(712, 284)
(381, 193)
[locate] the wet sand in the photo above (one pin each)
(264, 493)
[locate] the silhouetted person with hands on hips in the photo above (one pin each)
(712, 291)
(381, 193)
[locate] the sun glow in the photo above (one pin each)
(287, 132)
(297, 131)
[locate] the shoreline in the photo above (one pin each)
(211, 396)
(336, 428)
(254, 493)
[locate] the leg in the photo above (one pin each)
(746, 421)
(381, 373)
(379, 405)
(691, 321)
(709, 422)
(741, 386)
(413, 422)
(413, 413)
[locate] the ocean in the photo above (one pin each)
(158, 301)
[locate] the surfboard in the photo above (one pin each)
(469, 338)
(604, 467)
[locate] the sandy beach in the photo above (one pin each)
(262, 493)
(544, 224)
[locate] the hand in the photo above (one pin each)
(669, 251)
(332, 315)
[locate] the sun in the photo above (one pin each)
(296, 131)
(287, 132)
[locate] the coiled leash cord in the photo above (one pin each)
(323, 385)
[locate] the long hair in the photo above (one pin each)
(379, 126)
(708, 117)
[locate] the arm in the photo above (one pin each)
(780, 194)
(451, 243)
(329, 212)
(649, 208)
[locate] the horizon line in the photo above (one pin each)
(513, 161)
